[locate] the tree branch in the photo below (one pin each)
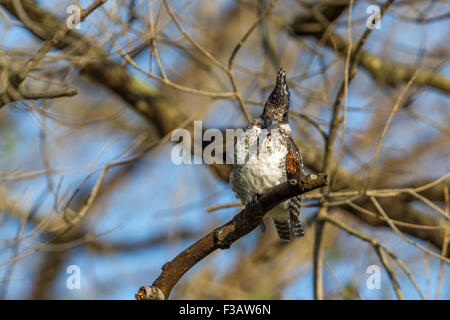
(17, 79)
(223, 237)
(12, 95)
(383, 71)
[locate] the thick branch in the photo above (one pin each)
(222, 238)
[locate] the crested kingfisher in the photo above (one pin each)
(266, 155)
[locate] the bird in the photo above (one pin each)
(266, 155)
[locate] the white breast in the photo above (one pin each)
(259, 162)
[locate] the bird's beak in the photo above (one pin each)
(270, 124)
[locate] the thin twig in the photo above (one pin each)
(390, 272)
(374, 242)
(397, 231)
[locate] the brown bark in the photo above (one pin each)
(222, 238)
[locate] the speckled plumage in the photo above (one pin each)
(266, 155)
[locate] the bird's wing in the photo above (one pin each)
(294, 170)
(294, 161)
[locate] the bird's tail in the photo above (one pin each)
(288, 229)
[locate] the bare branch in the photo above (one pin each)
(383, 71)
(224, 236)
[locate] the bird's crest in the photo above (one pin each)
(277, 105)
